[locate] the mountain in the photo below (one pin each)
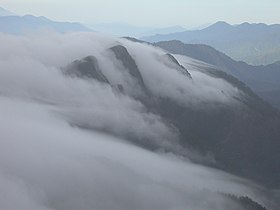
(4, 12)
(87, 119)
(29, 23)
(237, 134)
(256, 44)
(166, 30)
(123, 29)
(263, 80)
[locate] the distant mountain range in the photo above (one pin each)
(29, 23)
(123, 29)
(255, 44)
(264, 80)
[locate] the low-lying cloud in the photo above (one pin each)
(48, 162)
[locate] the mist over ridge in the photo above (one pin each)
(52, 119)
(139, 105)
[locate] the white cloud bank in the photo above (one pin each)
(45, 163)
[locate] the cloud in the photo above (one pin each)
(165, 81)
(48, 162)
(87, 104)
(56, 50)
(30, 67)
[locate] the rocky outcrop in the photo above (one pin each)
(173, 63)
(128, 62)
(87, 68)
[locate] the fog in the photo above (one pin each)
(47, 161)
(30, 68)
(47, 164)
(164, 81)
(56, 50)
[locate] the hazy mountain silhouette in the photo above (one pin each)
(123, 29)
(30, 23)
(253, 43)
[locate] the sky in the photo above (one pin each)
(150, 12)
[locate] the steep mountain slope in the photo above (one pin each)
(264, 80)
(234, 125)
(253, 43)
(29, 23)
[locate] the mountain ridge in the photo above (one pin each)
(224, 127)
(254, 43)
(29, 23)
(123, 29)
(264, 80)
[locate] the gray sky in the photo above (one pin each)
(150, 12)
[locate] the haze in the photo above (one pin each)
(154, 13)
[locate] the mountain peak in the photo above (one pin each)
(220, 24)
